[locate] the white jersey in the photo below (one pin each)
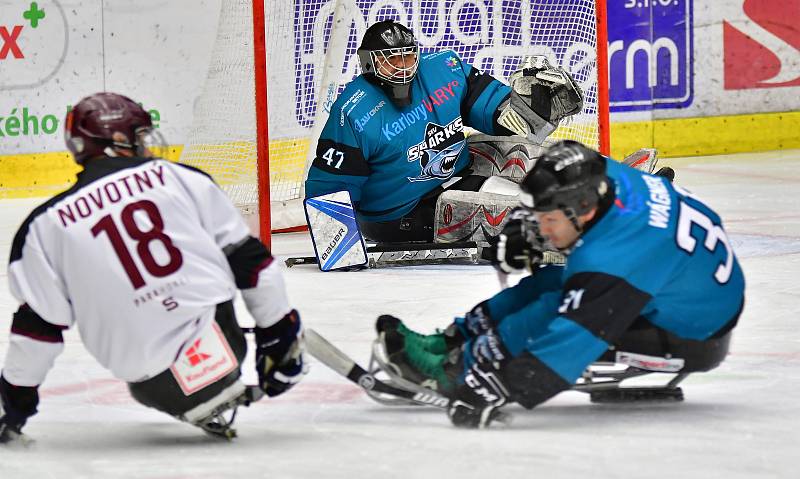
(132, 254)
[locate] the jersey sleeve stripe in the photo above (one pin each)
(247, 261)
(603, 304)
(29, 324)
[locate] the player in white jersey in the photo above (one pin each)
(145, 257)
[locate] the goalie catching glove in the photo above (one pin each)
(280, 355)
(541, 96)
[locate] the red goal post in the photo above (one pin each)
(277, 66)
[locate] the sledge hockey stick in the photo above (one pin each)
(334, 358)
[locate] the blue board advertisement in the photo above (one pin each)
(650, 54)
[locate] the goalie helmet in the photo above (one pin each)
(569, 177)
(385, 56)
(102, 123)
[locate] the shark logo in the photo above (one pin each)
(439, 152)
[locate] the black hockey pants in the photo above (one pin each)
(162, 391)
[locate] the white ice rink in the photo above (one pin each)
(740, 420)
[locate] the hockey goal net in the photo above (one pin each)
(252, 125)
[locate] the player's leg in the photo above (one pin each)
(645, 340)
(418, 224)
(179, 392)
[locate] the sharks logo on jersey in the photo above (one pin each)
(439, 151)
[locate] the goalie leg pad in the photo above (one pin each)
(509, 157)
(338, 243)
(471, 216)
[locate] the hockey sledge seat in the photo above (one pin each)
(646, 349)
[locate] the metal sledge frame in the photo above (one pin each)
(602, 386)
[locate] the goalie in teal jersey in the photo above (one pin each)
(650, 281)
(395, 137)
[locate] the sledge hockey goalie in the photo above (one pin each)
(666, 304)
(395, 142)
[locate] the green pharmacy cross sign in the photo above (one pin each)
(33, 15)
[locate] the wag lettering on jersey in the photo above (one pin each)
(420, 112)
(660, 203)
(439, 151)
(96, 198)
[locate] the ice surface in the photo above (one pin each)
(740, 420)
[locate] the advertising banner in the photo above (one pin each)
(650, 54)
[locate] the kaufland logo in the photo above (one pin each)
(762, 45)
(194, 356)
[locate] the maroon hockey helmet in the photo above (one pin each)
(104, 122)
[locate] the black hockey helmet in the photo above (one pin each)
(381, 42)
(104, 122)
(569, 177)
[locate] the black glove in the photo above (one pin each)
(476, 402)
(280, 351)
(667, 173)
(18, 404)
(476, 322)
(518, 246)
(10, 431)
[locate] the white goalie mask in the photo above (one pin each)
(389, 58)
(396, 65)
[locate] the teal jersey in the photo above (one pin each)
(658, 253)
(388, 158)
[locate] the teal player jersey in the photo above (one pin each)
(658, 253)
(388, 158)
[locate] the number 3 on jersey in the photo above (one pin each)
(144, 239)
(329, 157)
(689, 216)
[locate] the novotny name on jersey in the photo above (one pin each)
(436, 136)
(113, 191)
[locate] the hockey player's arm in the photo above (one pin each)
(280, 359)
(483, 95)
(34, 342)
(595, 311)
(279, 338)
(254, 271)
(340, 162)
(33, 347)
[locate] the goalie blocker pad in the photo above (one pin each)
(338, 243)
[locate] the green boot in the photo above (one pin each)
(435, 343)
(427, 360)
(432, 366)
